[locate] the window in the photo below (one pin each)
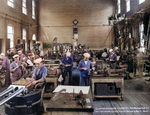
(129, 35)
(10, 35)
(141, 1)
(24, 7)
(141, 29)
(119, 6)
(33, 9)
(33, 37)
(10, 3)
(127, 5)
(24, 37)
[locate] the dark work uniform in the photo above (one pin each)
(67, 61)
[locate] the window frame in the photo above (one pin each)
(24, 8)
(33, 9)
(141, 1)
(119, 6)
(25, 36)
(33, 37)
(12, 34)
(128, 5)
(141, 32)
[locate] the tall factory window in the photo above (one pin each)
(141, 30)
(33, 37)
(10, 3)
(10, 35)
(24, 37)
(33, 9)
(119, 6)
(24, 7)
(127, 5)
(141, 1)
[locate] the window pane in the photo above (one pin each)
(10, 35)
(33, 17)
(11, 0)
(26, 46)
(24, 34)
(10, 29)
(119, 10)
(141, 1)
(10, 4)
(24, 10)
(33, 13)
(33, 3)
(142, 27)
(33, 9)
(11, 44)
(127, 5)
(34, 37)
(24, 4)
(118, 2)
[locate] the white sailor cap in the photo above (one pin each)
(15, 56)
(2, 54)
(86, 55)
(110, 50)
(68, 54)
(39, 60)
(20, 51)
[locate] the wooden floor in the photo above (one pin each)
(136, 101)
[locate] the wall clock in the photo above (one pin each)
(75, 22)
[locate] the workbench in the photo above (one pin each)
(110, 79)
(52, 77)
(64, 103)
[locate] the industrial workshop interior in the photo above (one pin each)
(74, 57)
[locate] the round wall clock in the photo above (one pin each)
(75, 22)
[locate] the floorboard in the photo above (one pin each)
(137, 98)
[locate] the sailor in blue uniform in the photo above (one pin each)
(84, 65)
(67, 60)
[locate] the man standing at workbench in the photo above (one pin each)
(67, 60)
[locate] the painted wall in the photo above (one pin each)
(56, 17)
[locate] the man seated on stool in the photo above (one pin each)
(84, 65)
(39, 73)
(68, 62)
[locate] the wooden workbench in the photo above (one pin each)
(52, 78)
(65, 105)
(109, 79)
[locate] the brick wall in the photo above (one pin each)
(56, 16)
(15, 17)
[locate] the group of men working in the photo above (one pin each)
(84, 65)
(14, 69)
(40, 72)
